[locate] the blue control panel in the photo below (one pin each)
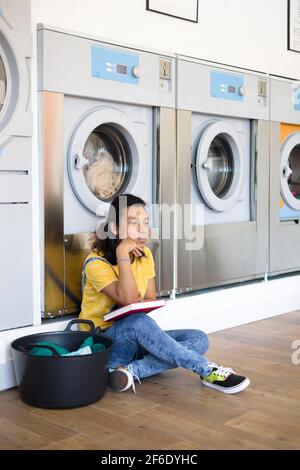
(111, 64)
(286, 213)
(227, 87)
(296, 99)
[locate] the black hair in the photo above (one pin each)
(107, 245)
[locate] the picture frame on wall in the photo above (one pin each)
(294, 25)
(184, 10)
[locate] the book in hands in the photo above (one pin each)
(146, 306)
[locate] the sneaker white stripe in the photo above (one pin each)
(229, 390)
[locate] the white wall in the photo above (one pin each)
(245, 33)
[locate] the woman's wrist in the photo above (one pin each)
(122, 256)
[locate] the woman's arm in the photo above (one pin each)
(124, 291)
(151, 290)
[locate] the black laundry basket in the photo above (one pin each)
(62, 381)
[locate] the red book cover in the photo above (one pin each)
(146, 306)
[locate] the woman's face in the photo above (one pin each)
(134, 224)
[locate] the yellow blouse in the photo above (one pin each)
(98, 275)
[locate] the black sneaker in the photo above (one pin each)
(225, 380)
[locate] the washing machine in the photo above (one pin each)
(284, 176)
(222, 165)
(15, 165)
(15, 104)
(108, 127)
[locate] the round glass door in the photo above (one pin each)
(290, 172)
(11, 88)
(3, 84)
(220, 166)
(105, 158)
(108, 162)
(294, 178)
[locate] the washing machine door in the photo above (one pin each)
(290, 171)
(219, 166)
(3, 84)
(9, 82)
(105, 158)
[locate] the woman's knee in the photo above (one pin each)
(139, 320)
(202, 341)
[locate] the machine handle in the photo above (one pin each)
(80, 161)
(287, 172)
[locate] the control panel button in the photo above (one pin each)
(227, 86)
(136, 71)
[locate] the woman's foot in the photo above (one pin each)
(122, 379)
(225, 380)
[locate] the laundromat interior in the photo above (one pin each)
(194, 107)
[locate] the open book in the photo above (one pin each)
(145, 306)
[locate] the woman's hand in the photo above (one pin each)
(125, 290)
(129, 246)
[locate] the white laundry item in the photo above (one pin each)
(80, 352)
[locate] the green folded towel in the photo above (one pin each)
(95, 347)
(38, 351)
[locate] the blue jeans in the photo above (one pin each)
(140, 342)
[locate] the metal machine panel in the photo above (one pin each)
(117, 87)
(232, 242)
(16, 291)
(77, 247)
(204, 87)
(239, 251)
(284, 234)
(155, 89)
(220, 260)
(52, 215)
(285, 101)
(165, 196)
(15, 187)
(15, 154)
(231, 252)
(183, 135)
(16, 52)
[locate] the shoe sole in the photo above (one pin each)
(231, 390)
(118, 381)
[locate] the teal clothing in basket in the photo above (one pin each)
(87, 347)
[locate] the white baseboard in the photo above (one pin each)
(210, 311)
(7, 376)
(221, 309)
